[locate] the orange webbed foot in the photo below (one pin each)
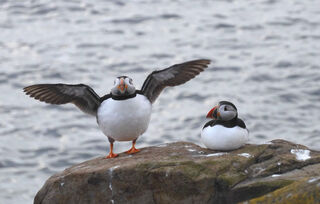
(111, 155)
(132, 150)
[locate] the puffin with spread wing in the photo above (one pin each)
(124, 113)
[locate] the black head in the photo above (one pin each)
(225, 111)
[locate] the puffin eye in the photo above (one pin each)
(225, 108)
(130, 81)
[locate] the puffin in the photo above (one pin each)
(124, 113)
(225, 131)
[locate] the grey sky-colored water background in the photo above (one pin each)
(265, 58)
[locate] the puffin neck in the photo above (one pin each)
(235, 118)
(229, 123)
(123, 97)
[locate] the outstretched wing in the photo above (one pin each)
(171, 76)
(80, 95)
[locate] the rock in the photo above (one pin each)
(278, 172)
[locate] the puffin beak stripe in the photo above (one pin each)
(210, 114)
(122, 85)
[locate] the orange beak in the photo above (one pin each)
(213, 113)
(122, 86)
(209, 115)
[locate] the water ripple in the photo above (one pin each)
(264, 59)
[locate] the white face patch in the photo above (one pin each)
(116, 82)
(128, 81)
(129, 87)
(227, 112)
(114, 89)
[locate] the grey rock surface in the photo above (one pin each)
(182, 172)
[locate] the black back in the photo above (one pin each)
(228, 124)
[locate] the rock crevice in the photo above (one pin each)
(186, 173)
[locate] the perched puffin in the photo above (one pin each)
(124, 113)
(226, 131)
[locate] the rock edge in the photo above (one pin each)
(181, 172)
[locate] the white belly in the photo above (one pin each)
(219, 137)
(124, 120)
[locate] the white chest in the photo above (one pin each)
(124, 120)
(219, 137)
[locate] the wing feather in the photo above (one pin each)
(172, 76)
(80, 95)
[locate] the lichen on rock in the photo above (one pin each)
(172, 173)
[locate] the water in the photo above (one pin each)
(265, 57)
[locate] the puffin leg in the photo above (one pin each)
(111, 154)
(133, 149)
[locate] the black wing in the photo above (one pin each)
(80, 95)
(241, 124)
(172, 76)
(210, 123)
